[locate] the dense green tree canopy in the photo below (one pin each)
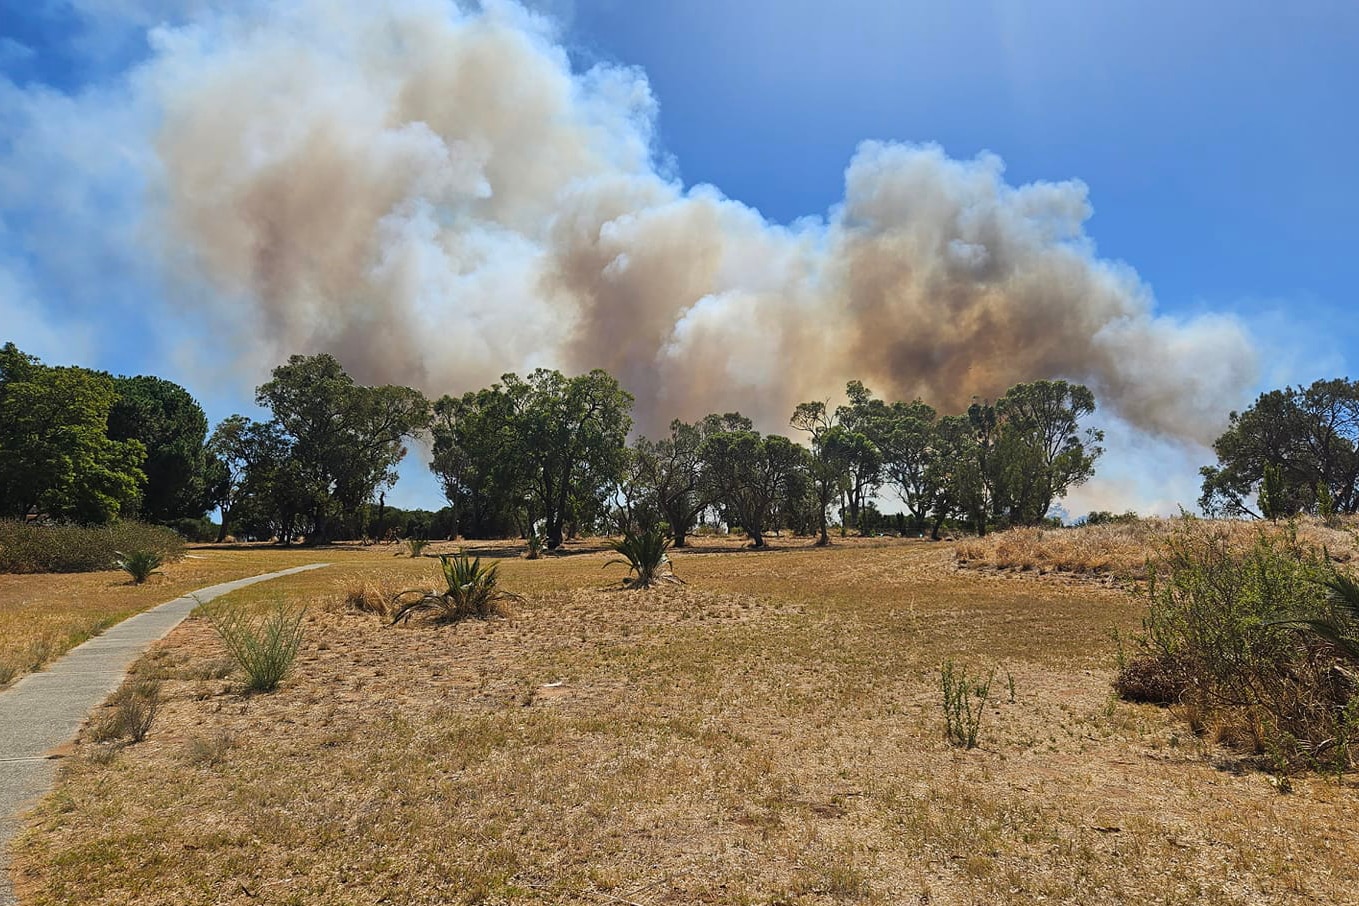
(345, 438)
(172, 427)
(56, 456)
(553, 443)
(1307, 439)
(752, 476)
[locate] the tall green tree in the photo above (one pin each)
(171, 425)
(750, 476)
(1043, 451)
(672, 469)
(908, 437)
(827, 470)
(1310, 436)
(863, 419)
(56, 456)
(553, 444)
(227, 459)
(346, 438)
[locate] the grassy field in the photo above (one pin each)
(771, 732)
(42, 616)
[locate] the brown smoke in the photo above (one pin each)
(436, 197)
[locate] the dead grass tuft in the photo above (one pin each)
(1125, 551)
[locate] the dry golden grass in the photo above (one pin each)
(1123, 550)
(42, 616)
(769, 733)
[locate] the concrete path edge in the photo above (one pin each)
(45, 709)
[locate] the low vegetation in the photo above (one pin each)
(140, 565)
(1128, 549)
(965, 699)
(472, 591)
(1255, 644)
(263, 647)
(645, 555)
(769, 733)
(69, 548)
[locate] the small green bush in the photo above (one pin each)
(65, 548)
(645, 555)
(264, 648)
(417, 546)
(965, 699)
(535, 547)
(140, 565)
(472, 591)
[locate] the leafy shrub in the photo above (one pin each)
(140, 565)
(417, 546)
(65, 548)
(965, 699)
(472, 591)
(644, 554)
(264, 648)
(1253, 644)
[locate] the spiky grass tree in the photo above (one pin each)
(645, 555)
(473, 591)
(140, 565)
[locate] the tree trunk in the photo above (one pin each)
(222, 529)
(756, 538)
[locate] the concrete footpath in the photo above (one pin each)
(45, 709)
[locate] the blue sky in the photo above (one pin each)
(1216, 140)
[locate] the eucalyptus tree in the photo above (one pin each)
(1306, 440)
(347, 438)
(672, 471)
(750, 475)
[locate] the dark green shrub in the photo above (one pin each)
(197, 531)
(65, 548)
(645, 555)
(1240, 638)
(472, 590)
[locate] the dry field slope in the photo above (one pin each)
(769, 733)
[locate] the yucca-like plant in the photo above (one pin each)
(645, 555)
(263, 648)
(535, 546)
(1343, 594)
(473, 590)
(417, 546)
(140, 565)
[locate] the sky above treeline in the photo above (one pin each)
(726, 204)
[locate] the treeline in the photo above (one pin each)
(550, 450)
(85, 446)
(545, 453)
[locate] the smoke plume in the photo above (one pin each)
(436, 196)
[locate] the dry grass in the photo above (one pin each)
(42, 616)
(1122, 551)
(770, 733)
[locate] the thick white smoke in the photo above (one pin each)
(434, 195)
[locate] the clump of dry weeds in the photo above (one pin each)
(1127, 550)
